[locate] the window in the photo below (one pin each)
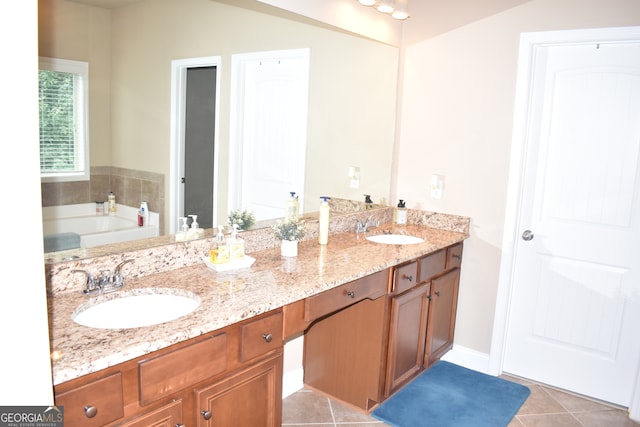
(64, 142)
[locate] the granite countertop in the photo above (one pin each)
(227, 297)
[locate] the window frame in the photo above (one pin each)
(81, 106)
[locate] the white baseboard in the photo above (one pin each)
(292, 381)
(468, 358)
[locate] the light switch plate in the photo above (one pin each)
(354, 177)
(437, 186)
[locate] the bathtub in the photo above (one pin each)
(78, 226)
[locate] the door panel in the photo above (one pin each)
(199, 143)
(576, 290)
(269, 124)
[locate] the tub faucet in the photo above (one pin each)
(364, 227)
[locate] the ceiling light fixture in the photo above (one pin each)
(398, 9)
(401, 10)
(385, 6)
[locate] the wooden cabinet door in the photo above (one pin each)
(406, 336)
(344, 352)
(442, 316)
(167, 416)
(251, 397)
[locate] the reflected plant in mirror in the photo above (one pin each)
(242, 218)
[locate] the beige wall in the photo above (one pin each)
(457, 112)
(73, 31)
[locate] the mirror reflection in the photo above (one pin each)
(130, 49)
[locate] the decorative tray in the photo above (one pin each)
(247, 261)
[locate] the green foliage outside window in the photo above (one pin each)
(58, 151)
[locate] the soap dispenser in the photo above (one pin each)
(400, 214)
(323, 231)
(368, 203)
(184, 228)
(292, 208)
(236, 245)
(219, 252)
(195, 232)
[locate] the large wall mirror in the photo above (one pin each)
(130, 48)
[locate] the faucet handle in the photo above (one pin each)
(90, 284)
(118, 279)
(105, 278)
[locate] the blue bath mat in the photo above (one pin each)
(448, 395)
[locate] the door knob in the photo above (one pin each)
(527, 235)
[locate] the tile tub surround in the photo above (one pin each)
(226, 298)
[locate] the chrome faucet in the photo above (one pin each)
(364, 227)
(106, 282)
(118, 278)
(91, 285)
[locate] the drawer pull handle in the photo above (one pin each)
(267, 337)
(206, 414)
(90, 411)
(457, 256)
(180, 425)
(351, 294)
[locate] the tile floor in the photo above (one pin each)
(545, 407)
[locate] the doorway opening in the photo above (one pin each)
(194, 141)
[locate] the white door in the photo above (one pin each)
(269, 130)
(574, 316)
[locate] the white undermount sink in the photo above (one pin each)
(395, 239)
(145, 307)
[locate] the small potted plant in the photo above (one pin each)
(243, 218)
(289, 233)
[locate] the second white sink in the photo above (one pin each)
(145, 308)
(395, 239)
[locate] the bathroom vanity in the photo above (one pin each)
(374, 316)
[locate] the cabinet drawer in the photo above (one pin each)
(170, 372)
(454, 256)
(432, 265)
(260, 337)
(371, 287)
(94, 404)
(167, 415)
(405, 277)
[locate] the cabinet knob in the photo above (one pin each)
(267, 337)
(206, 414)
(180, 425)
(90, 411)
(437, 293)
(351, 294)
(457, 256)
(409, 278)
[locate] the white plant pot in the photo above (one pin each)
(289, 248)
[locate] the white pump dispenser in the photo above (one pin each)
(236, 245)
(195, 232)
(184, 228)
(323, 231)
